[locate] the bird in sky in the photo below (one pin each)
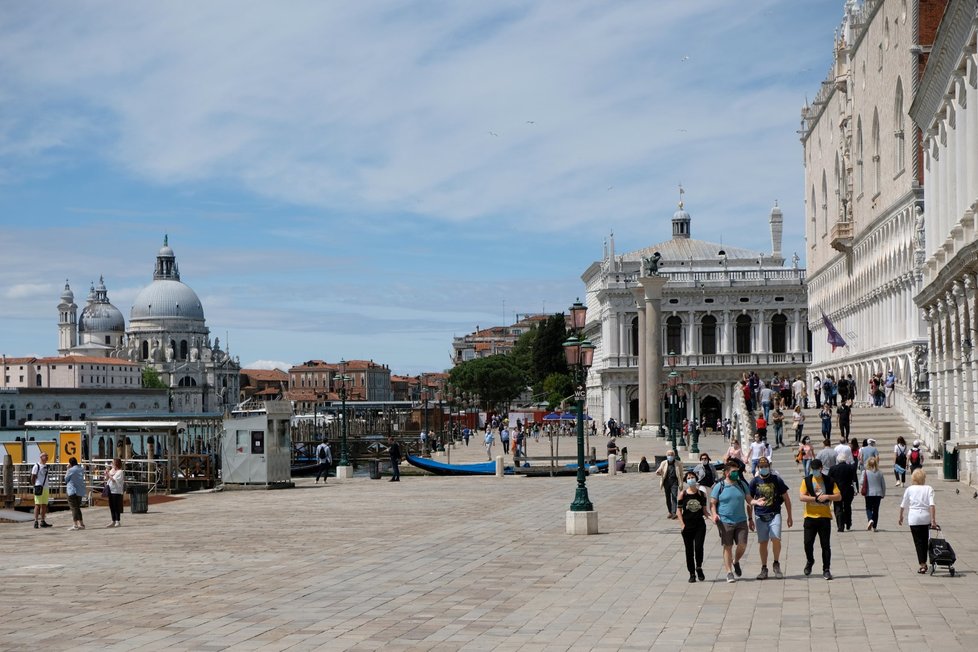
(685, 58)
(610, 187)
(531, 122)
(493, 133)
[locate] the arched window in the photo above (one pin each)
(877, 175)
(187, 381)
(779, 334)
(82, 406)
(838, 189)
(899, 155)
(814, 217)
(859, 157)
(633, 336)
(708, 335)
(674, 335)
(132, 406)
(145, 350)
(183, 349)
(743, 334)
(108, 406)
(38, 380)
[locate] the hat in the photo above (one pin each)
(871, 441)
(916, 442)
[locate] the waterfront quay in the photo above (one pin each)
(472, 563)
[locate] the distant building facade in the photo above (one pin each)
(19, 405)
(263, 384)
(715, 310)
(495, 340)
(315, 382)
(70, 372)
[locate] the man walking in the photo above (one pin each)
(670, 471)
(394, 451)
(39, 480)
(325, 457)
(817, 491)
(827, 455)
(768, 492)
(733, 514)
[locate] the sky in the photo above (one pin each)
(366, 180)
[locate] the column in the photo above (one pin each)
(762, 332)
(971, 113)
(652, 287)
(692, 342)
(955, 305)
(961, 151)
(725, 347)
(643, 360)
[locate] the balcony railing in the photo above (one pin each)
(763, 360)
(842, 233)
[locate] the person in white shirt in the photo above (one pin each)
(758, 449)
(325, 458)
(115, 478)
(843, 448)
(918, 501)
(488, 441)
(39, 480)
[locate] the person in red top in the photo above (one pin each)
(762, 426)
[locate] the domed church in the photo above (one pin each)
(167, 332)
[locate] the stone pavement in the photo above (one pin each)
(464, 564)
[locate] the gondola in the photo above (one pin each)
(439, 468)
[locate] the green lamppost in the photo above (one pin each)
(579, 353)
(695, 448)
(343, 379)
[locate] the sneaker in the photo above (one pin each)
(763, 574)
(700, 575)
(869, 526)
(112, 524)
(777, 571)
(737, 569)
(730, 578)
(81, 527)
(36, 525)
(692, 578)
(46, 524)
(808, 568)
(117, 524)
(73, 527)
(827, 575)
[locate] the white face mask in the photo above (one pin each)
(670, 458)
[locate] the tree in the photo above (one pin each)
(557, 387)
(151, 379)
(496, 379)
(548, 351)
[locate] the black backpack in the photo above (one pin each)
(810, 486)
(322, 454)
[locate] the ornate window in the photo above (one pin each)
(899, 159)
(779, 334)
(825, 204)
(674, 335)
(744, 334)
(859, 156)
(877, 179)
(708, 335)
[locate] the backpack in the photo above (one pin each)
(810, 486)
(915, 456)
(322, 453)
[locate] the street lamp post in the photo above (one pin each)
(579, 352)
(343, 469)
(695, 448)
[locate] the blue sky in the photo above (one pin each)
(366, 180)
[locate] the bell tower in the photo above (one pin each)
(67, 321)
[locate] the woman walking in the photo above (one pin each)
(693, 507)
(805, 455)
(873, 489)
(115, 478)
(900, 461)
(918, 501)
(799, 420)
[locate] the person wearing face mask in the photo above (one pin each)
(768, 492)
(705, 472)
(693, 507)
(817, 491)
(670, 471)
(733, 514)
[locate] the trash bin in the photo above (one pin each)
(374, 467)
(138, 499)
(950, 464)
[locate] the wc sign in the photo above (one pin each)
(70, 446)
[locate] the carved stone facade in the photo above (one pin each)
(864, 192)
(721, 310)
(946, 111)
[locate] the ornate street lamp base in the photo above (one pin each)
(581, 501)
(582, 522)
(344, 472)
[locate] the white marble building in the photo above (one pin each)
(864, 191)
(723, 310)
(946, 111)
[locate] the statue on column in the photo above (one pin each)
(651, 264)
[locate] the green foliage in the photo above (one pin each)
(151, 379)
(548, 350)
(496, 379)
(557, 387)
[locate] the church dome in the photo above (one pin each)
(67, 296)
(100, 316)
(166, 298)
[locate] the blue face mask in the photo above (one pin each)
(764, 471)
(670, 458)
(691, 482)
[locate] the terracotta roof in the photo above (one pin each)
(271, 375)
(84, 359)
(269, 391)
(10, 361)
